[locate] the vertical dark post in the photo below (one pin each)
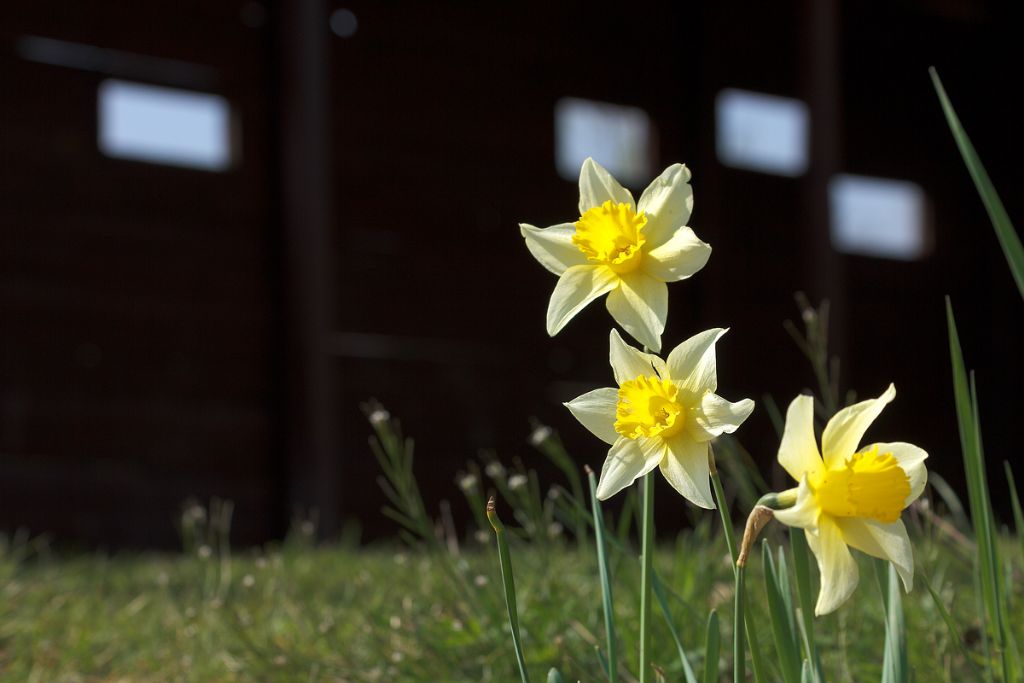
(311, 414)
(820, 81)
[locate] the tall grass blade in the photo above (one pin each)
(659, 595)
(1018, 514)
(787, 643)
(509, 584)
(712, 643)
(606, 584)
(1007, 236)
(987, 560)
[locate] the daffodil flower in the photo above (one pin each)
(623, 249)
(850, 497)
(663, 414)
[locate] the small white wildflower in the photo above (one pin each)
(162, 579)
(400, 558)
(517, 481)
(395, 622)
(554, 493)
(397, 656)
(307, 528)
(480, 580)
(467, 482)
(205, 552)
(248, 580)
(482, 536)
(554, 530)
(379, 416)
(495, 469)
(541, 434)
(809, 314)
(456, 625)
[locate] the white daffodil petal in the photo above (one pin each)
(798, 452)
(668, 202)
(678, 258)
(624, 465)
(628, 362)
(846, 428)
(692, 364)
(838, 569)
(598, 186)
(911, 459)
(576, 288)
(805, 512)
(685, 466)
(640, 305)
(553, 247)
(885, 541)
(596, 411)
(718, 416)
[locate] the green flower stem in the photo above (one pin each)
(739, 654)
(730, 541)
(646, 562)
(508, 582)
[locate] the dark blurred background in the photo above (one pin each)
(318, 203)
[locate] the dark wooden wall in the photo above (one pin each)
(215, 373)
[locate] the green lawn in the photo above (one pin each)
(301, 613)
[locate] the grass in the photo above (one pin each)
(302, 613)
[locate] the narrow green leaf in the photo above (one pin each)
(712, 642)
(895, 668)
(787, 643)
(509, 584)
(1018, 514)
(606, 584)
(1005, 233)
(659, 594)
(802, 567)
(807, 675)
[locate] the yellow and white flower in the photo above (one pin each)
(623, 249)
(663, 414)
(850, 497)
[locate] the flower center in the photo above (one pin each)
(611, 234)
(870, 484)
(647, 407)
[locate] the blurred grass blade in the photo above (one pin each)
(1008, 239)
(508, 582)
(606, 584)
(555, 677)
(787, 643)
(807, 675)
(1018, 514)
(954, 633)
(712, 642)
(659, 595)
